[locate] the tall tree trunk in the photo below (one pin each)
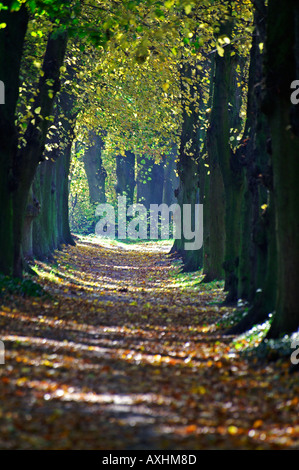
(253, 152)
(51, 227)
(225, 163)
(282, 63)
(257, 270)
(11, 48)
(213, 200)
(68, 112)
(29, 156)
(187, 164)
(231, 169)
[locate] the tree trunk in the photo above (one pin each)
(253, 152)
(214, 202)
(94, 169)
(225, 169)
(257, 268)
(11, 48)
(150, 178)
(51, 228)
(188, 162)
(264, 296)
(171, 182)
(68, 114)
(44, 227)
(125, 173)
(29, 156)
(282, 59)
(32, 211)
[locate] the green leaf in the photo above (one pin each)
(16, 5)
(188, 9)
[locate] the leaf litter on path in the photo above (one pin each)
(126, 353)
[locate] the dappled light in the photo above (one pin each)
(139, 367)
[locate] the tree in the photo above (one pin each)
(257, 267)
(19, 164)
(95, 172)
(30, 154)
(51, 186)
(281, 66)
(225, 160)
(170, 183)
(11, 47)
(189, 153)
(125, 174)
(150, 179)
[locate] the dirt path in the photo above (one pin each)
(124, 354)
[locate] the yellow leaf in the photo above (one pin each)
(188, 9)
(165, 86)
(21, 381)
(258, 423)
(220, 50)
(232, 430)
(199, 389)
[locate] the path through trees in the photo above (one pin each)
(126, 353)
